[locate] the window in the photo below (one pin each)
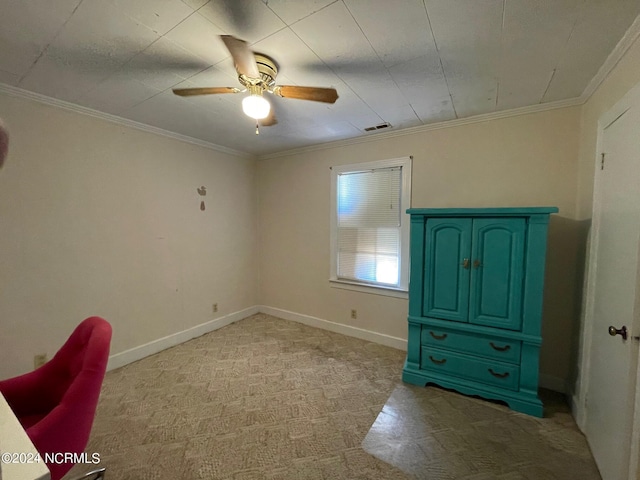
(369, 224)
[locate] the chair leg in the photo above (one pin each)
(93, 475)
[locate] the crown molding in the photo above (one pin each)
(625, 43)
(485, 117)
(54, 102)
(631, 35)
(629, 38)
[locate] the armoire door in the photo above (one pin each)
(497, 272)
(447, 265)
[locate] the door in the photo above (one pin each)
(612, 371)
(497, 255)
(447, 265)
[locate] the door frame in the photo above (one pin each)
(580, 404)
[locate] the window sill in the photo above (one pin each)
(359, 287)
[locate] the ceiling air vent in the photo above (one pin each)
(378, 127)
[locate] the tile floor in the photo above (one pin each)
(433, 433)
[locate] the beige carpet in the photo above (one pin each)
(266, 398)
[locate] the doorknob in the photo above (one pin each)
(613, 331)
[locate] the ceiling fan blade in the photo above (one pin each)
(317, 94)
(187, 92)
(239, 13)
(243, 57)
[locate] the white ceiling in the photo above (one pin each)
(406, 62)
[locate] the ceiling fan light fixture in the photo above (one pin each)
(257, 74)
(255, 105)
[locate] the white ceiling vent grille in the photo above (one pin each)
(378, 127)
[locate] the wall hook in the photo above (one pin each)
(202, 191)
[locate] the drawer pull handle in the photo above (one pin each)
(498, 375)
(438, 337)
(500, 349)
(438, 362)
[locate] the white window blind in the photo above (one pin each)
(368, 218)
(370, 226)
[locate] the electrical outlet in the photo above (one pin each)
(39, 360)
(215, 307)
(354, 314)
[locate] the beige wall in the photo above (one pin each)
(101, 219)
(625, 75)
(528, 160)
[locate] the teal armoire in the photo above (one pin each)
(475, 301)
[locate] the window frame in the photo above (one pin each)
(405, 203)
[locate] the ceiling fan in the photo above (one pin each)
(257, 74)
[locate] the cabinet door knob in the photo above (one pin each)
(465, 263)
(477, 263)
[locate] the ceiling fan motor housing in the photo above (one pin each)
(268, 71)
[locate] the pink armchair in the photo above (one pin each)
(57, 402)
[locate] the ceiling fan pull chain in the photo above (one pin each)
(257, 129)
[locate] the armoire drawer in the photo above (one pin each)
(472, 368)
(485, 346)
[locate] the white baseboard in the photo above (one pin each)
(546, 381)
(578, 411)
(137, 353)
(348, 330)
